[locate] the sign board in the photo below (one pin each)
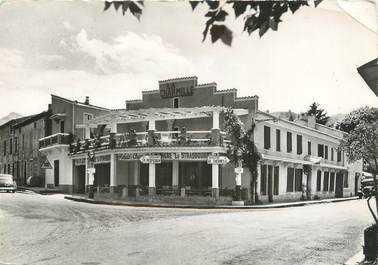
(79, 162)
(217, 160)
(177, 88)
(46, 164)
(91, 170)
(150, 159)
(239, 170)
(101, 159)
(190, 156)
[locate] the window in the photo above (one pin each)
(5, 147)
(331, 154)
(278, 140)
(288, 142)
(325, 152)
(326, 180)
(276, 180)
(320, 150)
(346, 184)
(309, 148)
(23, 142)
(61, 126)
(299, 144)
(263, 180)
(332, 182)
(318, 180)
(290, 179)
(10, 146)
(35, 125)
(176, 103)
(338, 156)
(266, 137)
(298, 179)
(15, 145)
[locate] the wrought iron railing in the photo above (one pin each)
(55, 139)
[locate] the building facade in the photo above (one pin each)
(173, 142)
(65, 117)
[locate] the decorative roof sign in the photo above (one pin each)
(177, 88)
(217, 160)
(150, 159)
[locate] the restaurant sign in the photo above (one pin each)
(177, 88)
(167, 156)
(150, 159)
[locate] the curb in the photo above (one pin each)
(39, 191)
(356, 259)
(228, 207)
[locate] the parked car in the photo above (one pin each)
(7, 183)
(367, 188)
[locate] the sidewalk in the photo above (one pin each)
(79, 198)
(40, 190)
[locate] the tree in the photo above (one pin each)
(361, 142)
(258, 15)
(320, 115)
(242, 143)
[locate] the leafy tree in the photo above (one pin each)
(320, 115)
(362, 115)
(361, 142)
(258, 15)
(242, 147)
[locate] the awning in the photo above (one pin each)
(130, 116)
(333, 166)
(286, 159)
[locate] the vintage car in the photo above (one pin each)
(7, 183)
(367, 188)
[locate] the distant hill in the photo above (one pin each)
(10, 116)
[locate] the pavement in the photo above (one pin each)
(82, 198)
(39, 229)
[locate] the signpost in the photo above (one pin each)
(150, 159)
(217, 160)
(46, 164)
(239, 170)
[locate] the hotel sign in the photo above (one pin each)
(177, 88)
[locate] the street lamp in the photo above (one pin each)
(238, 171)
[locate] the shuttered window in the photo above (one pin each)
(319, 180)
(263, 179)
(278, 140)
(298, 179)
(290, 179)
(276, 180)
(266, 137)
(326, 152)
(289, 142)
(326, 180)
(299, 144)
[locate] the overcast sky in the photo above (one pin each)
(74, 49)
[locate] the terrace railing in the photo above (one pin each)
(55, 139)
(151, 139)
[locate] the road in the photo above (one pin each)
(47, 229)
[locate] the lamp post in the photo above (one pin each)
(238, 171)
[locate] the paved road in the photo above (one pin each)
(47, 229)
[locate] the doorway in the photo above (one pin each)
(339, 185)
(56, 173)
(270, 183)
(80, 179)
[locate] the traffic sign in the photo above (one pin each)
(46, 164)
(217, 160)
(150, 159)
(239, 170)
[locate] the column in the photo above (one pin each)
(87, 130)
(258, 181)
(215, 180)
(136, 177)
(215, 132)
(86, 175)
(175, 173)
(113, 174)
(151, 133)
(151, 179)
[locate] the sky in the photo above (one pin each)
(75, 49)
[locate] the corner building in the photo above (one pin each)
(164, 144)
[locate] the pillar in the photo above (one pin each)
(113, 127)
(86, 175)
(87, 130)
(136, 173)
(215, 132)
(151, 179)
(215, 180)
(258, 181)
(113, 174)
(175, 173)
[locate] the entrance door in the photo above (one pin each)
(80, 179)
(356, 181)
(56, 173)
(339, 185)
(270, 183)
(308, 187)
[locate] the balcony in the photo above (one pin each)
(54, 140)
(151, 139)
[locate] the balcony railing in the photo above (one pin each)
(55, 139)
(151, 139)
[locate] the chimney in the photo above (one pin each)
(86, 100)
(311, 121)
